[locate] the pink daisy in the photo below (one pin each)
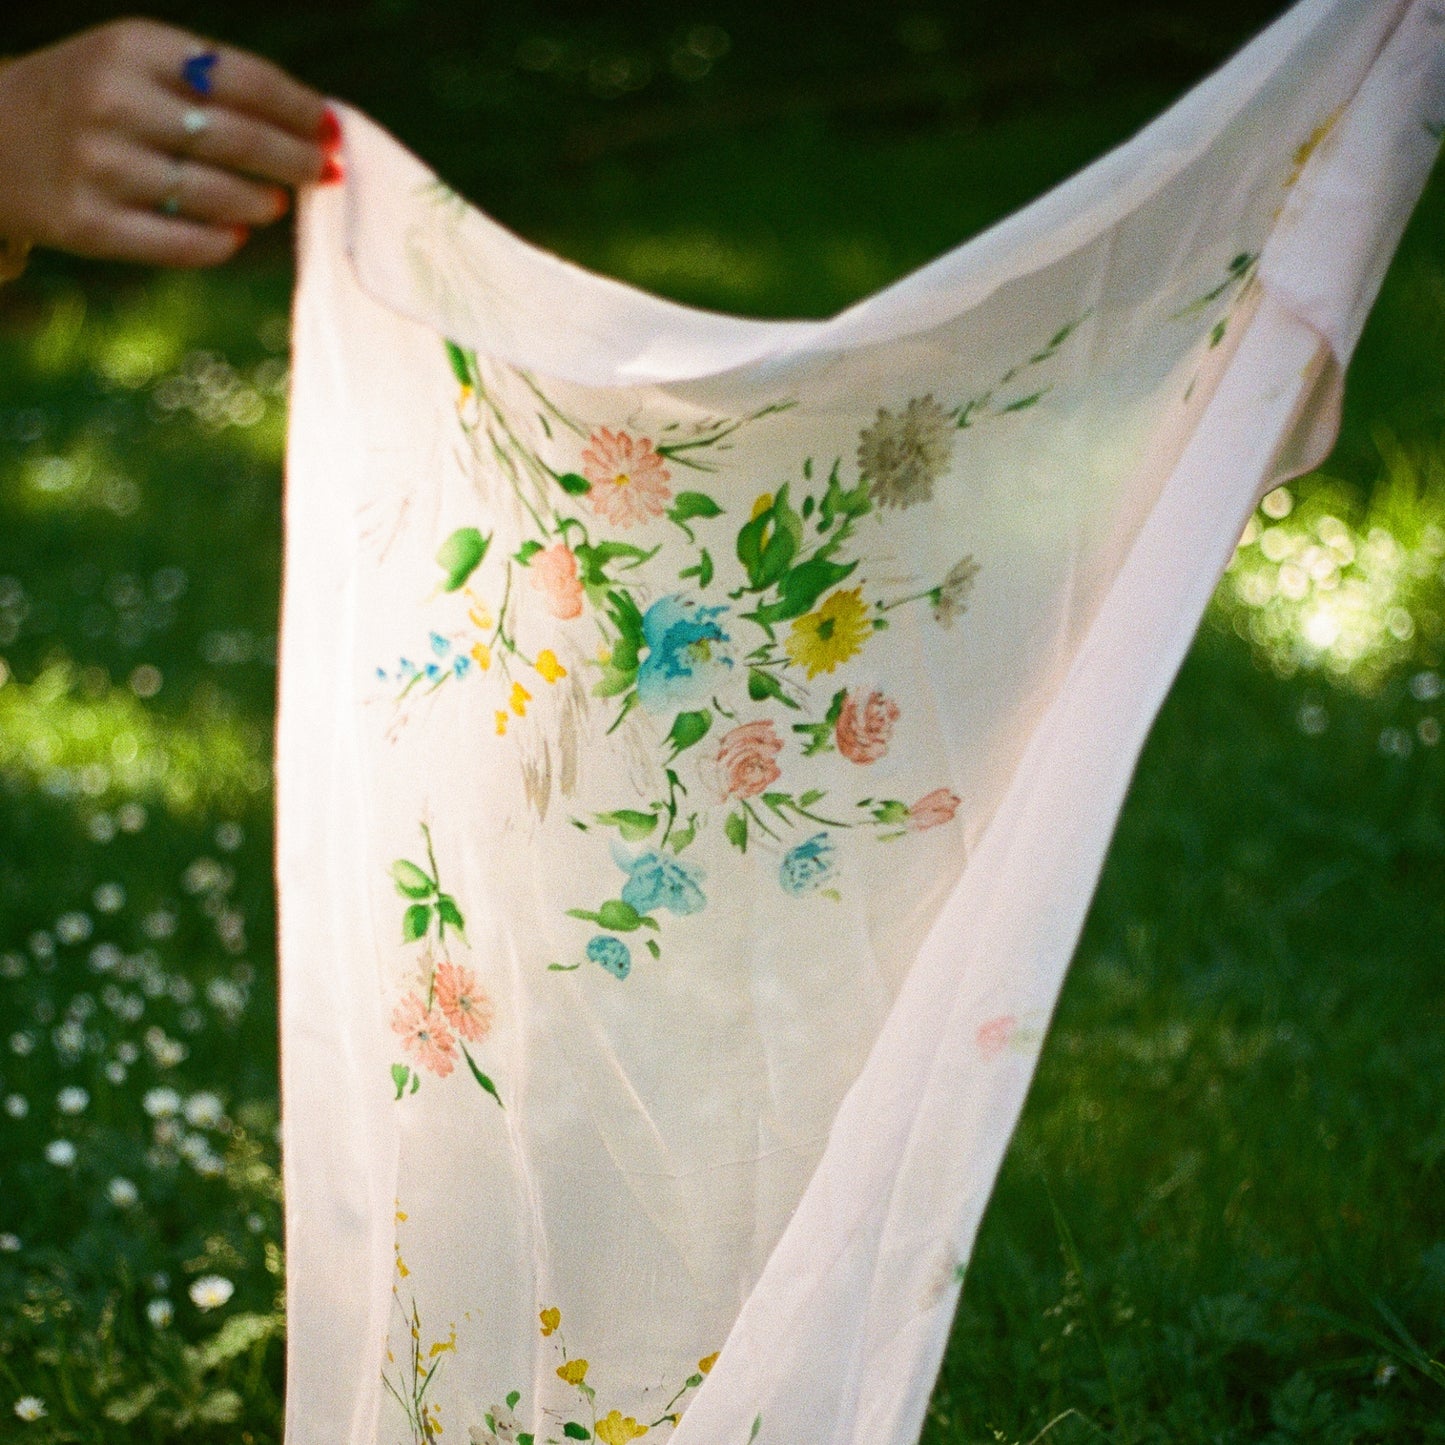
(464, 1001)
(629, 479)
(425, 1034)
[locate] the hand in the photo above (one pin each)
(105, 149)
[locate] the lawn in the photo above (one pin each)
(1223, 1216)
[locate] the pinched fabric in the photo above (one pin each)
(699, 740)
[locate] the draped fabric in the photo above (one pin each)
(700, 737)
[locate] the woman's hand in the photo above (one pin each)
(108, 150)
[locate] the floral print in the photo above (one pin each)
(863, 731)
(554, 574)
(629, 480)
(903, 457)
(746, 761)
(446, 1008)
(809, 865)
(713, 625)
(820, 640)
(933, 810)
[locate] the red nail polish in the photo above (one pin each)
(328, 133)
(282, 202)
(331, 172)
(242, 234)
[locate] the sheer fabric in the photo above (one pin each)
(700, 737)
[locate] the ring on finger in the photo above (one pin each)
(170, 203)
(197, 71)
(195, 122)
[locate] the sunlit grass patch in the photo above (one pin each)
(73, 735)
(1349, 586)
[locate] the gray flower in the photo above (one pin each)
(950, 597)
(903, 456)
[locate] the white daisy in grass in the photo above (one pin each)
(211, 1291)
(30, 1407)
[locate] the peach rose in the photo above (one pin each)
(746, 760)
(863, 732)
(554, 574)
(933, 810)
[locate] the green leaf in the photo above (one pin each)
(768, 543)
(563, 967)
(449, 915)
(1024, 402)
(620, 917)
(801, 588)
(461, 363)
(736, 831)
(129, 1408)
(693, 1381)
(574, 485)
(220, 1407)
(890, 811)
(512, 1399)
(812, 796)
(234, 1338)
(702, 571)
(527, 551)
(689, 728)
(414, 922)
(652, 947)
(526, 1440)
(573, 1431)
(681, 837)
(763, 685)
(480, 1077)
(415, 1082)
(757, 1425)
(399, 1076)
(686, 505)
(838, 501)
(460, 555)
(1217, 334)
(411, 881)
(631, 823)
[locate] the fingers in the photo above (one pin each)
(238, 80)
(139, 178)
(231, 139)
(153, 240)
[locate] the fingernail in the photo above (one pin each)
(281, 201)
(242, 234)
(331, 172)
(328, 133)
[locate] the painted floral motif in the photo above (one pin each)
(714, 633)
(746, 761)
(903, 457)
(446, 1008)
(629, 479)
(574, 1414)
(863, 729)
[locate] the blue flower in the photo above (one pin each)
(611, 953)
(440, 645)
(686, 654)
(461, 663)
(661, 882)
(808, 866)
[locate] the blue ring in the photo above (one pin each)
(196, 72)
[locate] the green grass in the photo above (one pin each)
(1222, 1218)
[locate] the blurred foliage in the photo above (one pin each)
(1222, 1219)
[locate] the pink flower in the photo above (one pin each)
(746, 761)
(933, 809)
(994, 1034)
(863, 733)
(554, 574)
(464, 1001)
(629, 480)
(425, 1034)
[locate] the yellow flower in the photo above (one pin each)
(574, 1371)
(615, 1428)
(482, 655)
(501, 723)
(548, 665)
(441, 1346)
(550, 1318)
(519, 699)
(821, 640)
(761, 505)
(480, 614)
(704, 1365)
